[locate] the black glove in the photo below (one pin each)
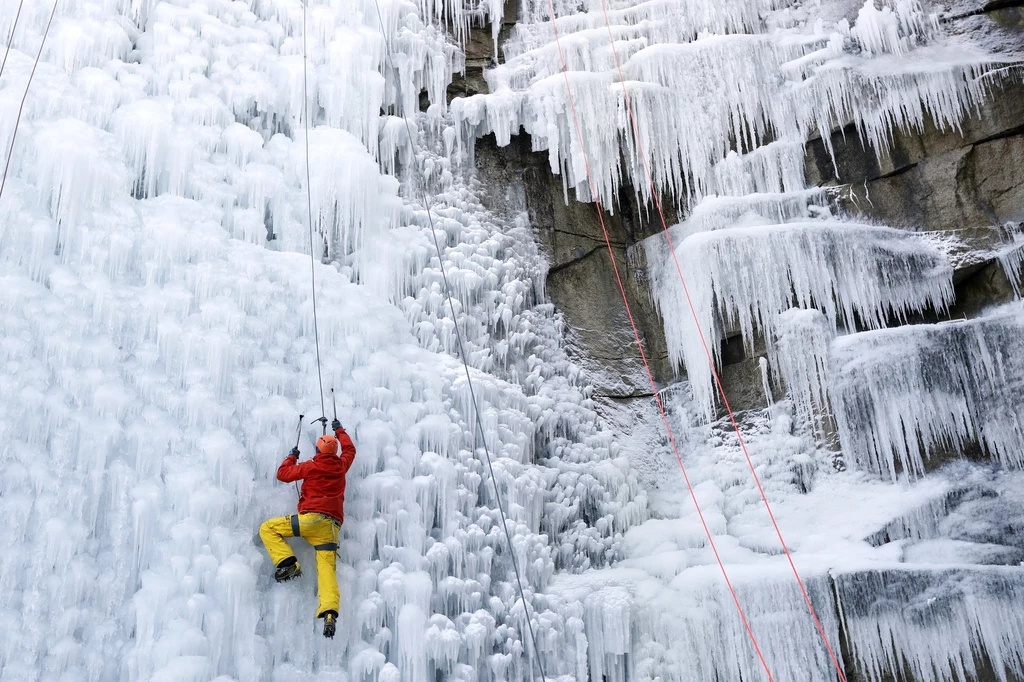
(335, 424)
(294, 451)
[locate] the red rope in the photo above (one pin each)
(643, 356)
(711, 362)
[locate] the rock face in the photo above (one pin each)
(581, 280)
(480, 55)
(967, 184)
(938, 180)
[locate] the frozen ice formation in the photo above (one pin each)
(902, 394)
(156, 339)
(933, 622)
(158, 343)
(745, 278)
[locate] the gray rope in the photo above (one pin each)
(31, 75)
(10, 39)
(469, 379)
(309, 216)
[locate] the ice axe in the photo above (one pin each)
(334, 404)
(298, 430)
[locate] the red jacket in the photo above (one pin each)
(323, 479)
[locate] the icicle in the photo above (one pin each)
(766, 385)
(746, 277)
(800, 357)
(902, 394)
(1011, 259)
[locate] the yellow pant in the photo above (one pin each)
(321, 532)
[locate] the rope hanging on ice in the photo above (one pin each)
(711, 361)
(309, 219)
(31, 75)
(10, 38)
(465, 365)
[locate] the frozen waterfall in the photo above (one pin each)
(157, 343)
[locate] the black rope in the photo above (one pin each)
(31, 75)
(309, 218)
(465, 364)
(10, 39)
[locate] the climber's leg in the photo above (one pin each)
(327, 581)
(322, 532)
(273, 533)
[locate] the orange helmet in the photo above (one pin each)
(327, 445)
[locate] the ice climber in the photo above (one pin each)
(321, 513)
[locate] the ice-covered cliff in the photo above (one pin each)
(167, 172)
(710, 108)
(158, 345)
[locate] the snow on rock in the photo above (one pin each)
(919, 569)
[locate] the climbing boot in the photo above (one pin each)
(330, 622)
(287, 569)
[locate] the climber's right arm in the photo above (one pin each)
(290, 470)
(348, 448)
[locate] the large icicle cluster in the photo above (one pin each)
(934, 624)
(725, 96)
(704, 79)
(633, 633)
(157, 328)
(801, 356)
(901, 394)
(710, 80)
(744, 278)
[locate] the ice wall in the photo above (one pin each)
(157, 336)
(158, 344)
(725, 96)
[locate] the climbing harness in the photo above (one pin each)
(326, 546)
(711, 362)
(465, 364)
(31, 75)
